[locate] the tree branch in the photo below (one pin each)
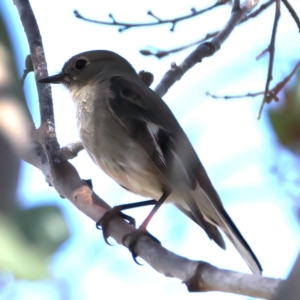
(292, 12)
(125, 26)
(198, 276)
(271, 49)
(46, 134)
(163, 53)
(272, 93)
(205, 49)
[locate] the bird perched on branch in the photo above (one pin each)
(132, 135)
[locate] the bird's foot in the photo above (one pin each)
(110, 214)
(133, 239)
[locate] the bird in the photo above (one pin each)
(133, 136)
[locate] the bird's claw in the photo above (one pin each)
(103, 222)
(134, 236)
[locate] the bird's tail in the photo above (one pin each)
(210, 215)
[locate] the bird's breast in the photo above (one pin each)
(115, 152)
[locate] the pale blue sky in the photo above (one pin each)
(237, 150)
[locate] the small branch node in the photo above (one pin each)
(262, 54)
(173, 27)
(150, 13)
(193, 10)
(112, 18)
(174, 66)
(123, 28)
(77, 14)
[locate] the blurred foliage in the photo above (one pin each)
(27, 236)
(17, 255)
(44, 227)
(285, 118)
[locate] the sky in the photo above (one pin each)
(237, 150)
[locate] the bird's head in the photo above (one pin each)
(90, 68)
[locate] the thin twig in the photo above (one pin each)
(267, 98)
(282, 83)
(124, 26)
(234, 96)
(273, 92)
(204, 50)
(164, 53)
(71, 150)
(259, 10)
(292, 12)
(262, 53)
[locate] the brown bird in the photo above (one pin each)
(133, 136)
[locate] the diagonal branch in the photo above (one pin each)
(124, 26)
(163, 53)
(205, 49)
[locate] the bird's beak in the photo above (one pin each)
(59, 78)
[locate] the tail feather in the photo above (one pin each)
(240, 244)
(215, 214)
(211, 230)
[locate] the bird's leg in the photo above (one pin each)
(134, 236)
(157, 205)
(117, 211)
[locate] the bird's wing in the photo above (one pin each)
(129, 108)
(151, 123)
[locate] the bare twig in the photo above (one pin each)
(124, 26)
(204, 50)
(282, 83)
(292, 12)
(71, 150)
(272, 93)
(164, 53)
(271, 49)
(234, 96)
(262, 53)
(259, 10)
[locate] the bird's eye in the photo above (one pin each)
(80, 64)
